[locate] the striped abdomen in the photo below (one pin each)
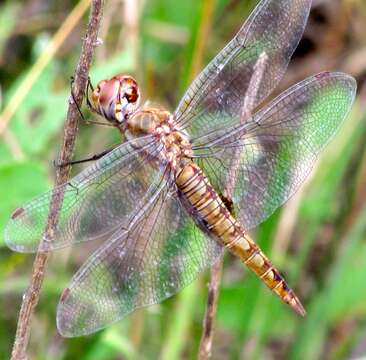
(218, 221)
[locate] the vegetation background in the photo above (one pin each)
(318, 239)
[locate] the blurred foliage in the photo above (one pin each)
(317, 239)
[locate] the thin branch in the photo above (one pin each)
(211, 308)
(31, 296)
(214, 285)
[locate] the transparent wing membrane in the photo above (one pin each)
(162, 253)
(95, 203)
(278, 145)
(216, 97)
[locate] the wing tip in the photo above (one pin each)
(13, 244)
(346, 82)
(8, 238)
(63, 320)
(340, 75)
(9, 234)
(74, 319)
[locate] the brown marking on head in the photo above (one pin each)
(16, 213)
(132, 93)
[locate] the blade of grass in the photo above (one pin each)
(178, 329)
(333, 300)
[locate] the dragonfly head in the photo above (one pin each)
(115, 99)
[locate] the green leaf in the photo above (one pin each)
(19, 182)
(41, 114)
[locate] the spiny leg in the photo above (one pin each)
(91, 158)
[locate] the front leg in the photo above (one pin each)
(91, 158)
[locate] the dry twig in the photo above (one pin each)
(31, 296)
(214, 285)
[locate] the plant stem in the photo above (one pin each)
(31, 296)
(212, 299)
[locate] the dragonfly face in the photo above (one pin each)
(115, 99)
(187, 183)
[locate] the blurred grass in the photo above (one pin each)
(325, 259)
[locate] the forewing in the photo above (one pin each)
(162, 253)
(277, 148)
(216, 97)
(95, 202)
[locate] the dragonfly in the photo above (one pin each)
(184, 185)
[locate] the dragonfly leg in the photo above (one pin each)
(91, 158)
(89, 86)
(73, 187)
(74, 100)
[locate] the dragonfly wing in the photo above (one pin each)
(277, 148)
(161, 253)
(215, 98)
(95, 202)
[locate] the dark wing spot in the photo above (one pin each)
(65, 294)
(16, 213)
(322, 75)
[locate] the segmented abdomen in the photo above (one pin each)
(219, 223)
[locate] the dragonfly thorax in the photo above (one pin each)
(161, 124)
